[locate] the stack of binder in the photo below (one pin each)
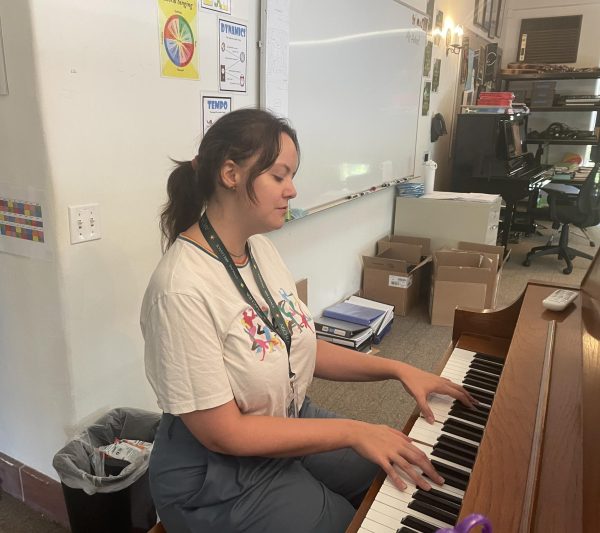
(356, 323)
(412, 190)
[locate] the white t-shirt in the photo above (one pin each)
(204, 345)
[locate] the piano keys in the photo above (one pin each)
(451, 444)
(499, 460)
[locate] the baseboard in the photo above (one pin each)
(36, 490)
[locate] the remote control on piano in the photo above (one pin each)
(559, 299)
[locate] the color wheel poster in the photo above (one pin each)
(233, 50)
(178, 46)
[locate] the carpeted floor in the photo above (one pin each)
(412, 340)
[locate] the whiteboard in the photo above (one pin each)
(347, 74)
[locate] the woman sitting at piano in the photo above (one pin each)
(230, 351)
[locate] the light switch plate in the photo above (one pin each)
(84, 223)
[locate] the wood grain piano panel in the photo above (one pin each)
(503, 458)
(559, 496)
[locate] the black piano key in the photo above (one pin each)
(406, 530)
(418, 524)
(461, 432)
(468, 380)
(465, 414)
(445, 496)
(457, 472)
(485, 368)
(459, 445)
(483, 409)
(434, 512)
(437, 501)
(453, 457)
(482, 396)
(483, 376)
(464, 425)
(452, 481)
(489, 358)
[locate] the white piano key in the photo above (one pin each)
(374, 527)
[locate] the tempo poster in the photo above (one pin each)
(22, 226)
(233, 51)
(178, 44)
(224, 6)
(213, 108)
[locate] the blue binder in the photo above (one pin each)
(352, 313)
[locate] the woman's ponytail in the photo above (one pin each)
(185, 203)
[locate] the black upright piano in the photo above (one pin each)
(490, 156)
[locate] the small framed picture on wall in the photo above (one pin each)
(493, 18)
(479, 11)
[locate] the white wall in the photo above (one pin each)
(89, 119)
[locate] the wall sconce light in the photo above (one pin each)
(454, 40)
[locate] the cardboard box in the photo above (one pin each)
(499, 256)
(465, 277)
(393, 276)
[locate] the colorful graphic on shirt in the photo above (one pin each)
(264, 340)
(292, 313)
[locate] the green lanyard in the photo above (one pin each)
(219, 249)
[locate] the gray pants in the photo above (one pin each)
(199, 491)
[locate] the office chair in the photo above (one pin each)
(582, 211)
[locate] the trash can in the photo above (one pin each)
(104, 493)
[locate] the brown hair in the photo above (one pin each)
(237, 136)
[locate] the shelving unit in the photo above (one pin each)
(560, 76)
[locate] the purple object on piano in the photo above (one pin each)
(468, 523)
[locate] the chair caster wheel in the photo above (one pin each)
(567, 270)
(526, 263)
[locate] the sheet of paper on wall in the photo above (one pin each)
(3, 77)
(223, 6)
(233, 53)
(23, 228)
(213, 108)
(275, 57)
(177, 39)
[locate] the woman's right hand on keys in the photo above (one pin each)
(393, 451)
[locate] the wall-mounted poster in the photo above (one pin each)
(426, 98)
(223, 6)
(430, 5)
(213, 108)
(178, 47)
(435, 80)
(23, 224)
(427, 59)
(439, 25)
(233, 51)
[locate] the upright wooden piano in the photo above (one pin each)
(537, 463)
